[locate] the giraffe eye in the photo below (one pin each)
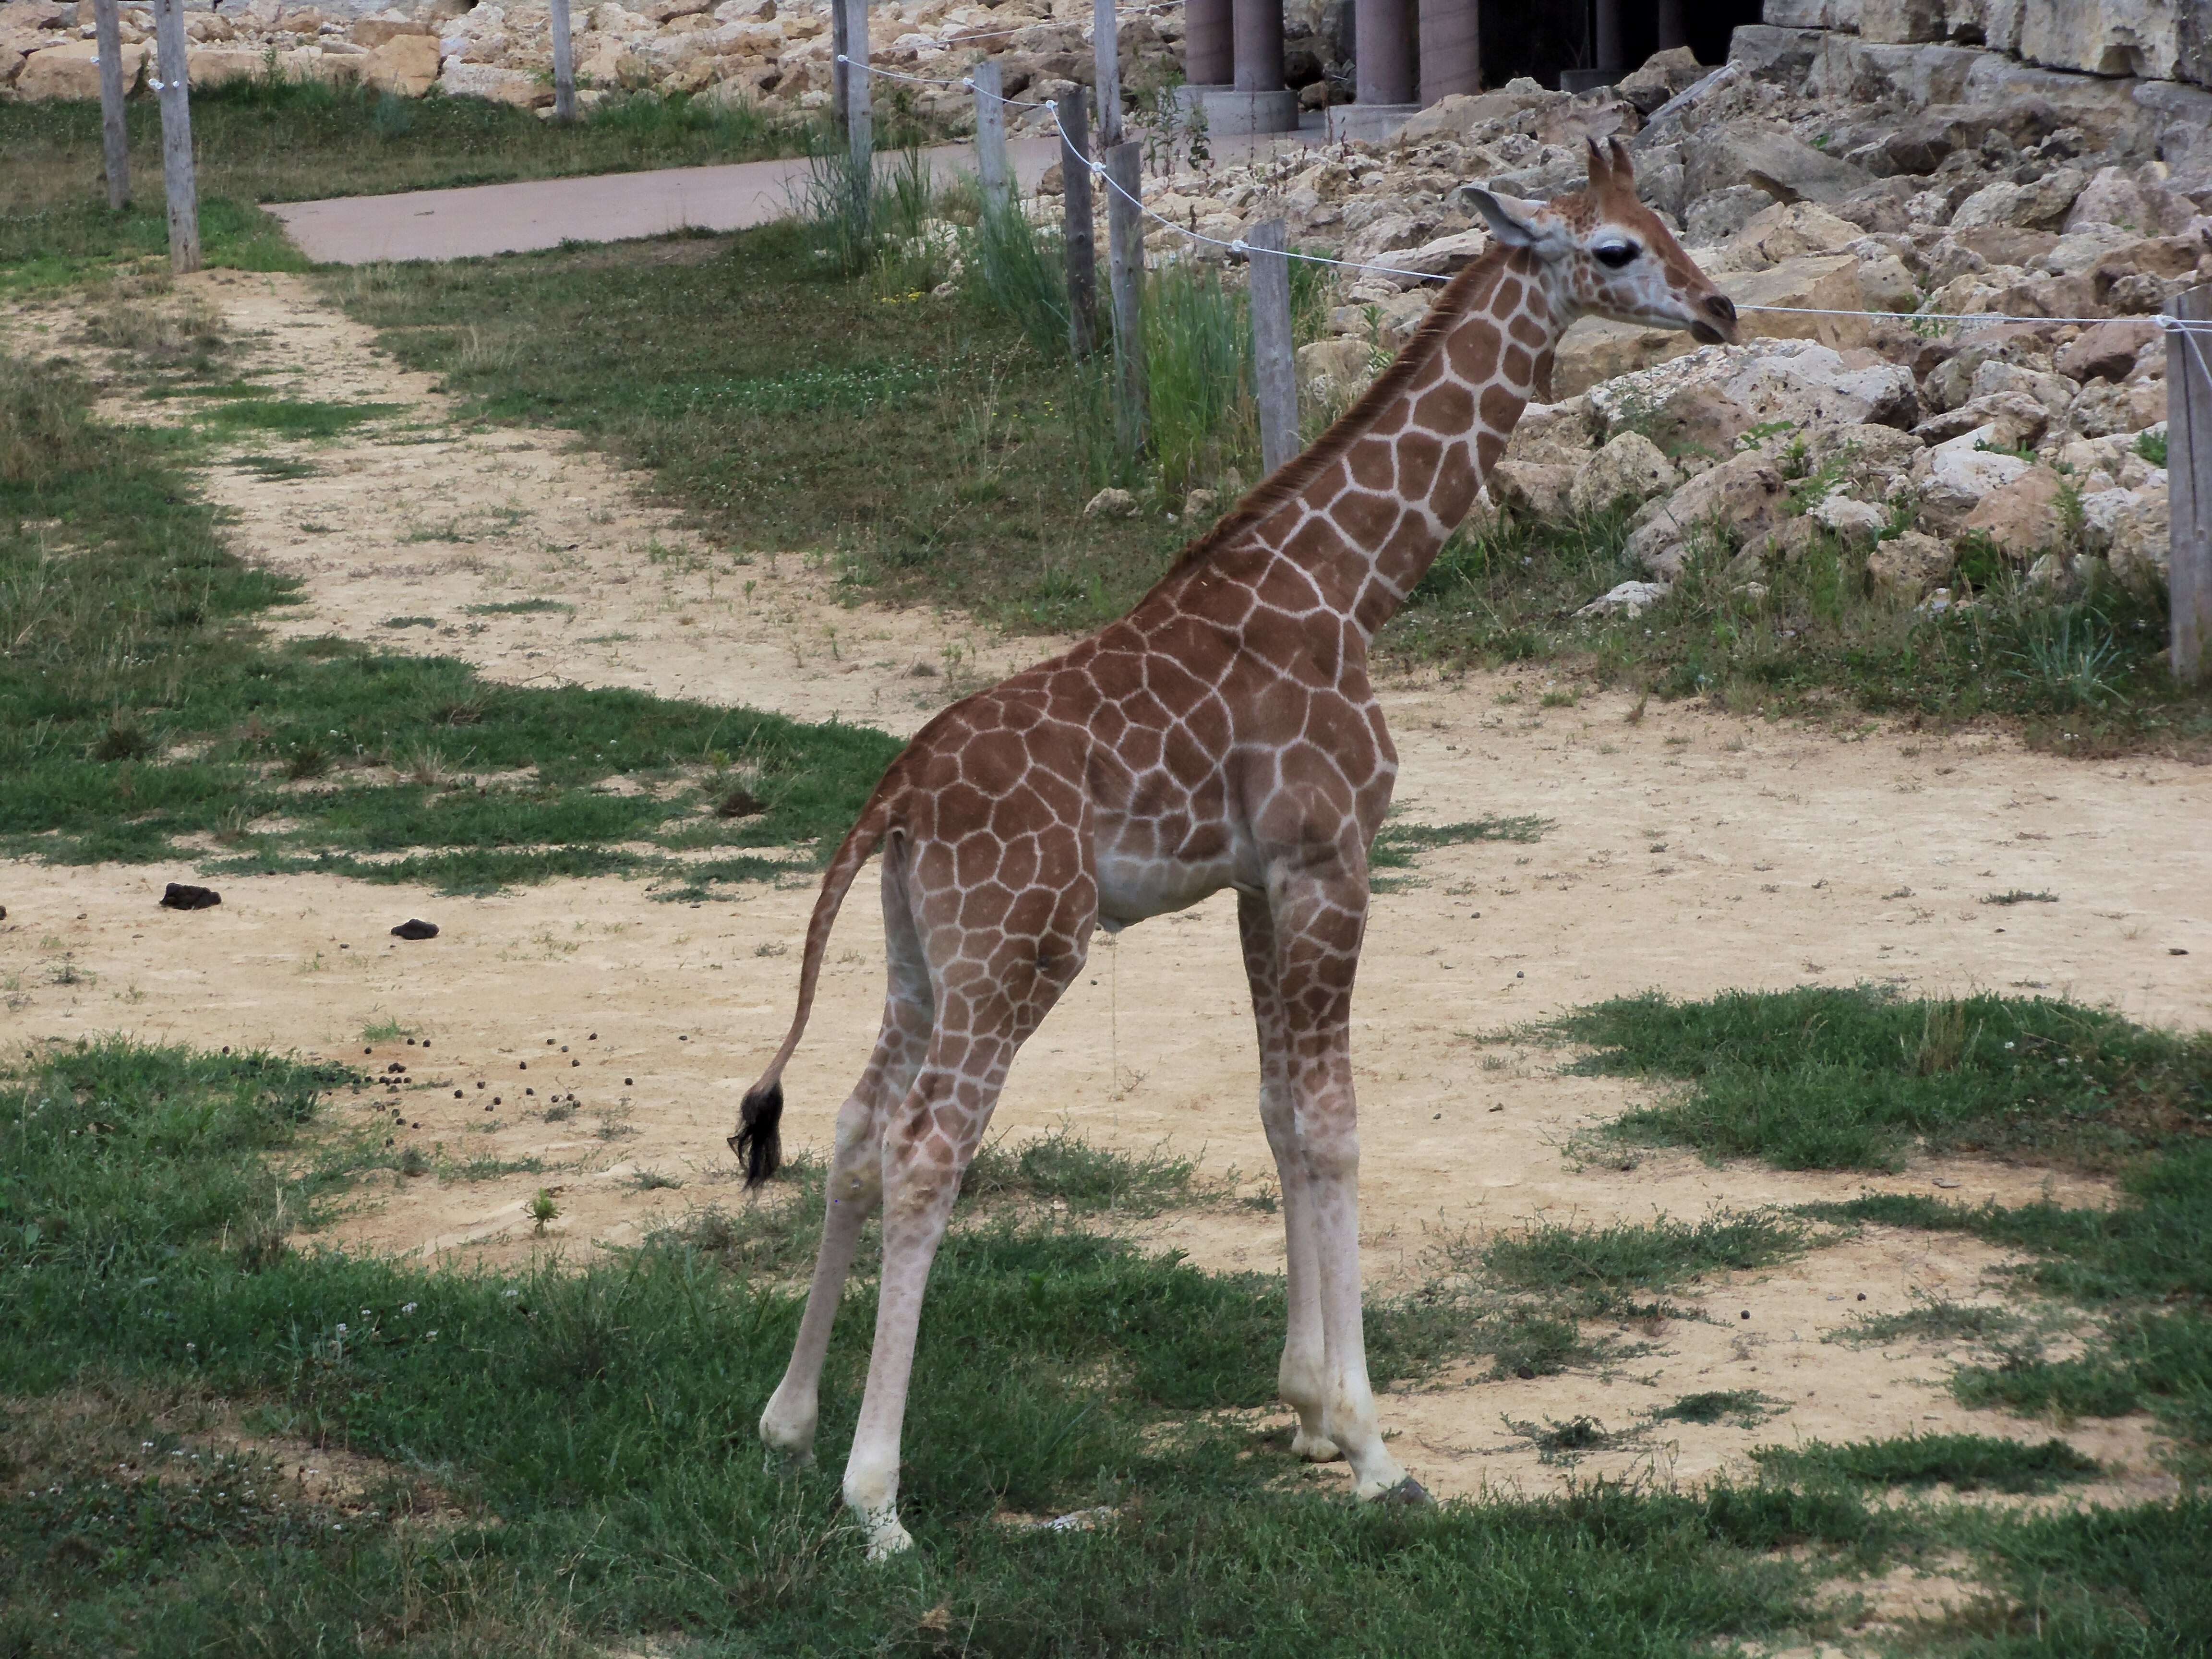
(1615, 255)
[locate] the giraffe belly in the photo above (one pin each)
(1133, 888)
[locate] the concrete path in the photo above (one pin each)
(480, 220)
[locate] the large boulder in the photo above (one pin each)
(1740, 497)
(2142, 543)
(493, 84)
(2106, 407)
(1959, 475)
(2107, 351)
(1770, 157)
(1532, 489)
(2158, 39)
(1814, 298)
(1906, 567)
(2023, 517)
(1334, 371)
(2043, 205)
(404, 63)
(1555, 435)
(215, 66)
(1785, 231)
(69, 71)
(1631, 468)
(1663, 76)
(2117, 195)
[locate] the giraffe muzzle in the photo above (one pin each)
(1718, 325)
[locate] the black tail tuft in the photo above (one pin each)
(757, 1145)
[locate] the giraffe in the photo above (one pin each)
(1224, 734)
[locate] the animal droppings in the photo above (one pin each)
(1746, 1314)
(416, 927)
(456, 1094)
(627, 1082)
(182, 896)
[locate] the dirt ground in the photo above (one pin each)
(1687, 851)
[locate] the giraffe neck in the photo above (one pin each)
(1371, 505)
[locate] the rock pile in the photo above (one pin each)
(2065, 209)
(776, 51)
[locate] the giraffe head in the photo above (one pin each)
(1602, 252)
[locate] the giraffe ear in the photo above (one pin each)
(1512, 220)
(1600, 165)
(1624, 166)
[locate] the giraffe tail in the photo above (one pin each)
(758, 1146)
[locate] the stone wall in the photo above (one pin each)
(2133, 72)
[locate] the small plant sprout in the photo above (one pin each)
(542, 1210)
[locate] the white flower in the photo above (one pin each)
(407, 1308)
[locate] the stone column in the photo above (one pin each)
(1256, 101)
(1208, 59)
(1382, 48)
(1674, 29)
(1451, 48)
(1609, 66)
(1259, 31)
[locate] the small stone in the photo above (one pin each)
(416, 927)
(1110, 503)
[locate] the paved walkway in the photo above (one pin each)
(480, 220)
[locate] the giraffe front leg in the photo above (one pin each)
(1319, 921)
(1301, 1378)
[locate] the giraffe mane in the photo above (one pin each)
(1294, 475)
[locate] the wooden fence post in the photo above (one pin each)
(114, 135)
(177, 135)
(564, 63)
(2189, 480)
(1274, 363)
(859, 123)
(839, 46)
(1078, 227)
(1106, 65)
(998, 179)
(1125, 273)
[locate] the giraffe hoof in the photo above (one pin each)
(1313, 1447)
(1408, 1493)
(887, 1539)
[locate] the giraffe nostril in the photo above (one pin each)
(1721, 306)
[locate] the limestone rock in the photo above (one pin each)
(1857, 523)
(1907, 566)
(2023, 517)
(2156, 39)
(373, 32)
(1770, 157)
(215, 66)
(1828, 283)
(2117, 195)
(1555, 435)
(2041, 205)
(1630, 598)
(68, 71)
(1959, 477)
(1531, 489)
(404, 63)
(2141, 544)
(1664, 75)
(2105, 407)
(2107, 351)
(493, 84)
(1111, 503)
(1742, 494)
(1335, 370)
(1787, 230)
(1630, 469)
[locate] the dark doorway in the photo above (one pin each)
(1540, 39)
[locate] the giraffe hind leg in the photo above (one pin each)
(856, 1182)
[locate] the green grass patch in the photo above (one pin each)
(1746, 1409)
(1818, 1077)
(2020, 896)
(2085, 675)
(262, 140)
(1936, 1319)
(1646, 1255)
(285, 418)
(274, 469)
(1965, 1462)
(141, 705)
(583, 1439)
(1056, 1168)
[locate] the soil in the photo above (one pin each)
(1687, 850)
